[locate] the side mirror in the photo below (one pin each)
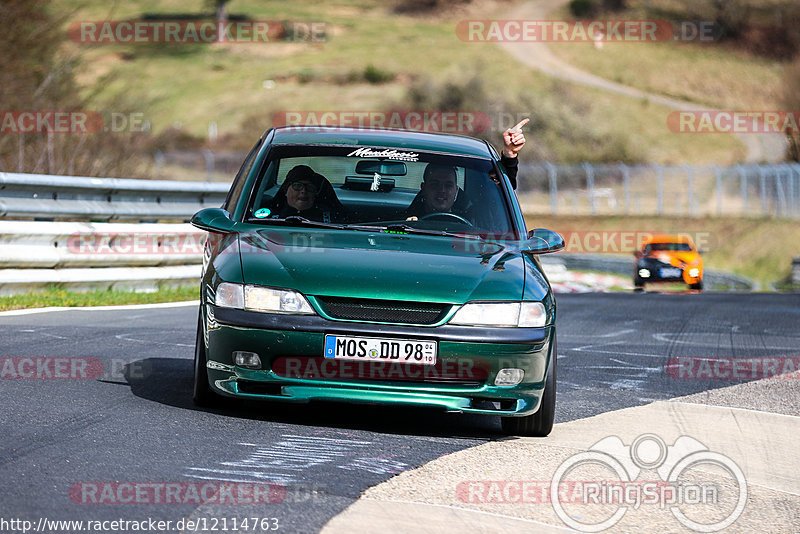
(543, 241)
(214, 220)
(637, 254)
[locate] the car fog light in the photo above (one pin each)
(644, 273)
(694, 273)
(509, 377)
(247, 359)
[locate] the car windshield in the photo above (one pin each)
(394, 189)
(672, 247)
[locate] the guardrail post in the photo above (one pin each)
(660, 190)
(718, 174)
(626, 184)
(209, 157)
(796, 271)
(796, 169)
(690, 188)
(790, 186)
(553, 180)
(762, 177)
(590, 186)
(743, 175)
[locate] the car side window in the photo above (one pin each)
(240, 178)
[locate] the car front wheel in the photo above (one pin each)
(202, 394)
(541, 423)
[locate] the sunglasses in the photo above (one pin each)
(299, 186)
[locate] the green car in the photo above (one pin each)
(377, 266)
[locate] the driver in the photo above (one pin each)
(439, 193)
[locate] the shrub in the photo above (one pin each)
(375, 75)
(582, 8)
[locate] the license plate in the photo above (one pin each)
(669, 272)
(379, 349)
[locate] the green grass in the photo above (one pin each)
(705, 73)
(193, 85)
(54, 296)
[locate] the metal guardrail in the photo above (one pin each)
(105, 199)
(82, 255)
(39, 244)
(143, 256)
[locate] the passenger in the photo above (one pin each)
(308, 194)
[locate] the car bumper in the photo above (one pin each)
(681, 276)
(293, 368)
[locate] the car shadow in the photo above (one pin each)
(169, 381)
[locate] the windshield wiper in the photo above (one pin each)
(298, 220)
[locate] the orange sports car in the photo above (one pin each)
(668, 258)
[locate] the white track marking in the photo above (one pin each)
(29, 311)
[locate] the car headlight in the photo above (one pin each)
(508, 314)
(694, 272)
(263, 299)
(229, 295)
(266, 299)
(644, 273)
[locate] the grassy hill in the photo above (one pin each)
(372, 59)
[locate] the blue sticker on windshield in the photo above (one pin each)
(260, 214)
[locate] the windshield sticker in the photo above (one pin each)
(386, 153)
(260, 214)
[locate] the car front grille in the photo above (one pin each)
(384, 311)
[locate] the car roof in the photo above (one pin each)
(668, 238)
(381, 138)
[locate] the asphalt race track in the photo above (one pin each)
(132, 421)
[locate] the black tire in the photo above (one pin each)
(202, 395)
(698, 286)
(541, 423)
(638, 283)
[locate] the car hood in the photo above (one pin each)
(675, 258)
(382, 265)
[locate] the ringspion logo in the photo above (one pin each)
(684, 487)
